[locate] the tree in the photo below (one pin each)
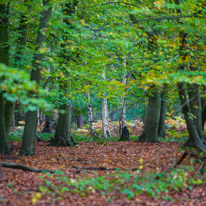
(5, 116)
(63, 135)
(29, 135)
(105, 114)
(123, 124)
(186, 109)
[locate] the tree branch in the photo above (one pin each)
(135, 20)
(118, 2)
(104, 168)
(24, 168)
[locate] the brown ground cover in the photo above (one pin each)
(18, 187)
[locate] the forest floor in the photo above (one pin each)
(89, 178)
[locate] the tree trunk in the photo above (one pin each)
(161, 128)
(150, 133)
(63, 136)
(105, 119)
(105, 116)
(124, 132)
(4, 34)
(80, 121)
(196, 109)
(90, 119)
(22, 38)
(193, 133)
(29, 134)
(152, 120)
(4, 147)
(13, 121)
(4, 58)
(18, 114)
(194, 138)
(9, 112)
(10, 106)
(203, 113)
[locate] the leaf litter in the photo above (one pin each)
(92, 160)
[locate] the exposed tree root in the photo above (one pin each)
(191, 154)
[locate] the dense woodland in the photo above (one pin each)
(109, 81)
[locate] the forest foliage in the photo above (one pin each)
(140, 64)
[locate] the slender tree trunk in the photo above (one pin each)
(105, 117)
(80, 121)
(13, 121)
(29, 134)
(123, 123)
(4, 58)
(105, 122)
(90, 119)
(152, 120)
(124, 81)
(161, 128)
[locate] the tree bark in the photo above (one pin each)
(4, 34)
(22, 38)
(194, 137)
(63, 135)
(161, 128)
(152, 120)
(124, 132)
(150, 133)
(203, 113)
(196, 109)
(90, 119)
(29, 134)
(21, 42)
(80, 121)
(18, 114)
(193, 133)
(105, 117)
(9, 112)
(24, 168)
(4, 58)
(4, 147)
